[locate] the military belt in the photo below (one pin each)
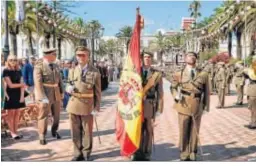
(198, 95)
(83, 95)
(50, 85)
(150, 98)
(252, 82)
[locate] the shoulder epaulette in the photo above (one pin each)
(39, 63)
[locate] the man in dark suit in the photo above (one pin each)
(28, 73)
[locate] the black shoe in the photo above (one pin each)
(250, 127)
(18, 137)
(43, 142)
(79, 158)
(56, 134)
(187, 159)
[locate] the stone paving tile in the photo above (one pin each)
(222, 135)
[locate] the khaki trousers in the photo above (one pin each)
(240, 93)
(252, 108)
(147, 137)
(227, 89)
(81, 133)
(188, 135)
(44, 110)
(221, 96)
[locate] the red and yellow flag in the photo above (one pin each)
(129, 113)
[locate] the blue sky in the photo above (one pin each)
(157, 14)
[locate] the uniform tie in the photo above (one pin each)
(192, 74)
(145, 74)
(51, 66)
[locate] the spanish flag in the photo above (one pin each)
(129, 112)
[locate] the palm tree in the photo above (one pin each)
(194, 9)
(251, 27)
(94, 28)
(125, 34)
(82, 28)
(160, 44)
(13, 26)
(102, 50)
(28, 27)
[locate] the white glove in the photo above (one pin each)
(94, 113)
(70, 89)
(45, 101)
(158, 114)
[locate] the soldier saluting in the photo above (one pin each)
(48, 93)
(192, 96)
(152, 104)
(85, 97)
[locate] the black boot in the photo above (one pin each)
(78, 158)
(56, 135)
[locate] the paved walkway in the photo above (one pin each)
(222, 135)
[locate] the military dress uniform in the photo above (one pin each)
(192, 96)
(48, 93)
(229, 76)
(152, 103)
(212, 73)
(239, 81)
(251, 93)
(221, 84)
(85, 98)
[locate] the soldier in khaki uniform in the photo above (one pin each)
(85, 98)
(229, 76)
(239, 81)
(152, 104)
(221, 83)
(211, 75)
(191, 91)
(48, 93)
(251, 92)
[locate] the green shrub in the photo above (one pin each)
(206, 55)
(248, 60)
(233, 60)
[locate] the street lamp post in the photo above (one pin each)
(6, 43)
(93, 32)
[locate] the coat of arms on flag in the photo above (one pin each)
(129, 114)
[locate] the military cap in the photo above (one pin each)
(145, 53)
(192, 54)
(32, 57)
(82, 48)
(48, 50)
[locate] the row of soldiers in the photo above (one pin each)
(221, 77)
(189, 87)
